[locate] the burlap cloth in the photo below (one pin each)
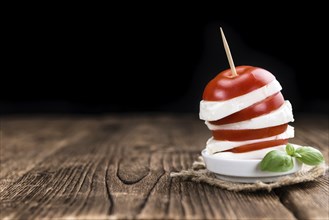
(199, 173)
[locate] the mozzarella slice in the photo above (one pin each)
(279, 116)
(215, 110)
(214, 146)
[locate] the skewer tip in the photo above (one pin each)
(228, 53)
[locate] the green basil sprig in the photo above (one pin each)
(280, 161)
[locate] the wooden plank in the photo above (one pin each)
(26, 142)
(120, 168)
(134, 174)
(72, 180)
(309, 200)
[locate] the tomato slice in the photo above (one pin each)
(258, 146)
(224, 86)
(265, 106)
(249, 134)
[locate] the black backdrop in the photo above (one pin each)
(157, 60)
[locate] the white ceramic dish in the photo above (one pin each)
(242, 170)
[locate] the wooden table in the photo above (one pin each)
(118, 166)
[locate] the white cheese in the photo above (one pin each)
(279, 116)
(215, 110)
(214, 146)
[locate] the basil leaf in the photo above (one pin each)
(276, 161)
(296, 155)
(310, 156)
(290, 149)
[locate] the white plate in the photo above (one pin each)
(242, 170)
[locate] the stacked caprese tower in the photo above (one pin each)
(246, 112)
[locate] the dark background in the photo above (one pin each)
(155, 60)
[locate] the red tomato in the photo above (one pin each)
(224, 86)
(249, 134)
(258, 146)
(263, 107)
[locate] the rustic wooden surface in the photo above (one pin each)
(109, 167)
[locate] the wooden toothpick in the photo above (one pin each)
(228, 54)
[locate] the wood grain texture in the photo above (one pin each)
(310, 200)
(24, 143)
(118, 167)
